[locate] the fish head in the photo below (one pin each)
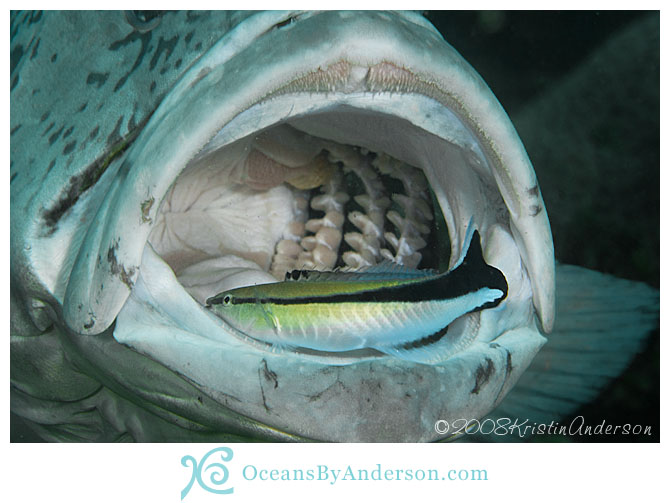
(211, 186)
(241, 318)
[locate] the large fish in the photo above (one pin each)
(159, 160)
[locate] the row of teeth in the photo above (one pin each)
(315, 243)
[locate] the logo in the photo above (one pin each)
(219, 472)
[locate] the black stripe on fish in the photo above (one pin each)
(425, 341)
(470, 276)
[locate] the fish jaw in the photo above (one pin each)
(220, 101)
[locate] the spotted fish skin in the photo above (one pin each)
(73, 112)
(384, 311)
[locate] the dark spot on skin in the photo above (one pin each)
(14, 130)
(152, 87)
(54, 137)
(177, 63)
(33, 54)
(163, 70)
(69, 147)
(35, 91)
(146, 208)
(201, 75)
(200, 399)
(49, 128)
(35, 17)
(189, 36)
(119, 269)
(494, 345)
(54, 57)
(83, 107)
(97, 79)
(45, 116)
(15, 82)
(15, 57)
(115, 135)
(144, 39)
(51, 164)
(81, 182)
(90, 324)
(510, 367)
(534, 192)
(13, 176)
(164, 46)
(482, 375)
(68, 132)
(269, 375)
(198, 46)
(535, 210)
(192, 17)
(94, 132)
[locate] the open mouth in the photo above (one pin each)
(346, 153)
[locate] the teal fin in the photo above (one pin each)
(602, 322)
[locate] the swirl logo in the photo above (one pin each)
(219, 472)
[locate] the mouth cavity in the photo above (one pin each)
(326, 189)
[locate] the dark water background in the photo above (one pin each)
(582, 89)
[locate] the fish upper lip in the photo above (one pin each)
(108, 265)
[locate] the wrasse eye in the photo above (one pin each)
(226, 300)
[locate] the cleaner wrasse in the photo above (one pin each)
(386, 307)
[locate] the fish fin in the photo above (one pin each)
(429, 349)
(428, 354)
(602, 322)
(382, 271)
(439, 346)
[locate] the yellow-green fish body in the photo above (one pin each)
(385, 307)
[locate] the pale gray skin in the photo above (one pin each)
(73, 381)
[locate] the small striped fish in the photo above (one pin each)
(386, 307)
